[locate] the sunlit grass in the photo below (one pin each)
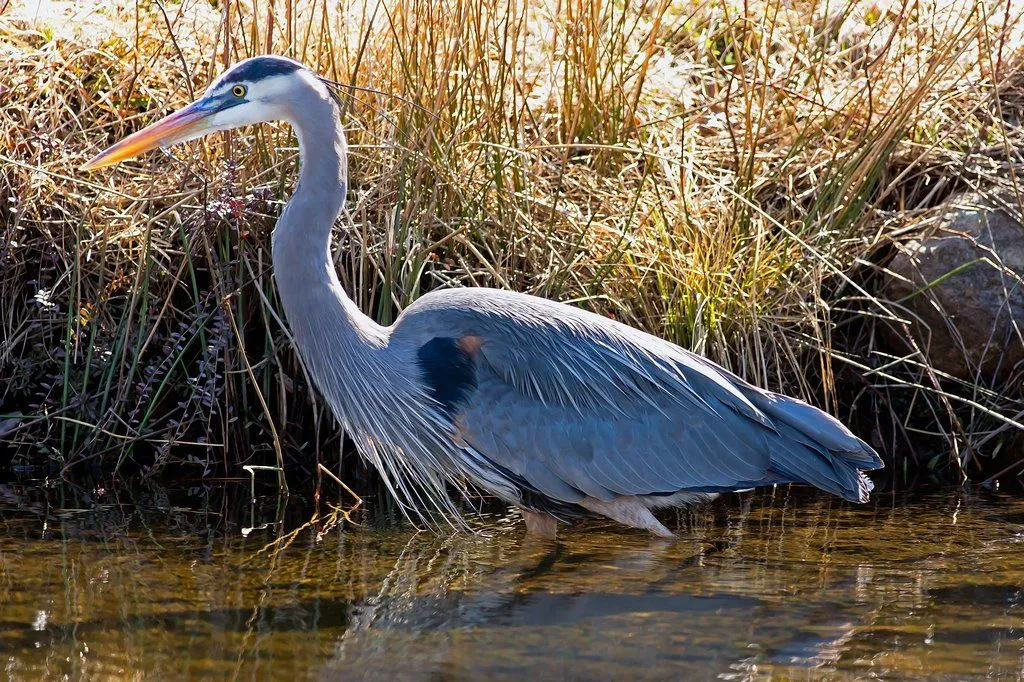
(718, 173)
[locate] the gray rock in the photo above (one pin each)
(962, 286)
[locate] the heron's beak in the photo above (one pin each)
(184, 124)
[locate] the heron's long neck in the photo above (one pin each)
(346, 353)
(328, 327)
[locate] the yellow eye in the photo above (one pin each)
(238, 91)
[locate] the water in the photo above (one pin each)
(762, 586)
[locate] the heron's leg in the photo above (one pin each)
(628, 510)
(540, 524)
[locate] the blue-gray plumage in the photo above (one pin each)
(552, 408)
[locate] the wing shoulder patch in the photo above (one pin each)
(449, 370)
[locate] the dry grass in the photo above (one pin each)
(722, 173)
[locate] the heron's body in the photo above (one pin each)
(552, 408)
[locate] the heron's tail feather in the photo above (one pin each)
(813, 447)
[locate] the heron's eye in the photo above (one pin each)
(238, 91)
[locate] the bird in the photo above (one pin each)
(560, 411)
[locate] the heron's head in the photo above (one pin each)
(259, 89)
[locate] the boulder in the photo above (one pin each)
(962, 286)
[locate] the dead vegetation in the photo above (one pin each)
(728, 175)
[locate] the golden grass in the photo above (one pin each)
(722, 173)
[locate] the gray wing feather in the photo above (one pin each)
(577, 404)
(601, 455)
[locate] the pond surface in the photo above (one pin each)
(783, 585)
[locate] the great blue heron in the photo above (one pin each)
(557, 410)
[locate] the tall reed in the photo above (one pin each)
(721, 173)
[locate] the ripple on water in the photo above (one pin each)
(758, 586)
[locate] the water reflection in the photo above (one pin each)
(760, 587)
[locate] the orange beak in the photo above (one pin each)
(184, 124)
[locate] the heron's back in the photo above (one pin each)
(569, 404)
